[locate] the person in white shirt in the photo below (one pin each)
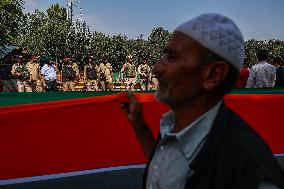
(48, 72)
(262, 74)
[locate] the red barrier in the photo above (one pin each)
(82, 134)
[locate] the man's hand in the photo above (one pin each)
(134, 110)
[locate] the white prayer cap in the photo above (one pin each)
(217, 33)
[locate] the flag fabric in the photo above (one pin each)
(91, 133)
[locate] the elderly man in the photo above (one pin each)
(202, 144)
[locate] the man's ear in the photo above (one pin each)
(214, 74)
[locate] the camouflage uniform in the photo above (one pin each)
(109, 75)
(23, 78)
(77, 71)
(101, 76)
(143, 73)
(153, 82)
(129, 71)
(90, 77)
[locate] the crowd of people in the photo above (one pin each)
(268, 72)
(33, 74)
(47, 75)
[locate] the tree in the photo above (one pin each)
(10, 18)
(51, 33)
(156, 42)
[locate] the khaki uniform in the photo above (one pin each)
(90, 77)
(23, 79)
(101, 76)
(129, 71)
(109, 75)
(153, 84)
(143, 72)
(35, 76)
(77, 71)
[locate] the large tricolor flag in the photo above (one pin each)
(88, 141)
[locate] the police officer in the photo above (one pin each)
(109, 76)
(101, 75)
(90, 75)
(34, 70)
(48, 72)
(22, 74)
(69, 75)
(77, 71)
(129, 72)
(143, 73)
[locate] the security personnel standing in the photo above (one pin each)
(77, 71)
(90, 75)
(129, 72)
(143, 73)
(68, 75)
(22, 74)
(48, 72)
(101, 75)
(109, 76)
(34, 70)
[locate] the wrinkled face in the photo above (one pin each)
(179, 71)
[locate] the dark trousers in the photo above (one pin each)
(51, 86)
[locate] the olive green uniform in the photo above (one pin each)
(129, 71)
(109, 75)
(143, 73)
(101, 76)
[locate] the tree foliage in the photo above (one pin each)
(51, 33)
(10, 18)
(275, 48)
